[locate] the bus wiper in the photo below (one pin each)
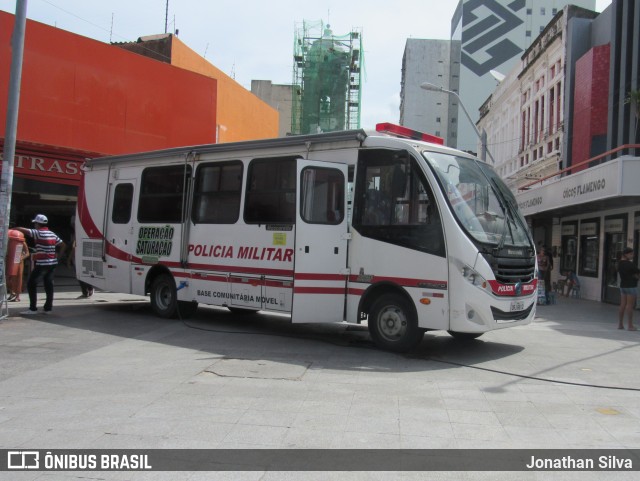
(504, 205)
(518, 219)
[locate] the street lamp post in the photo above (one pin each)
(482, 136)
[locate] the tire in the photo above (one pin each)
(164, 297)
(393, 325)
(465, 336)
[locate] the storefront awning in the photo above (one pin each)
(615, 183)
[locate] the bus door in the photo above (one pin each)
(320, 259)
(119, 237)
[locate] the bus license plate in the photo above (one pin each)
(517, 306)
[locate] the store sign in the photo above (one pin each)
(46, 169)
(588, 228)
(596, 183)
(568, 229)
(614, 225)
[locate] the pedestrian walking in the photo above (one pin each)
(629, 273)
(87, 289)
(45, 260)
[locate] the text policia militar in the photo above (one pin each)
(279, 254)
(158, 241)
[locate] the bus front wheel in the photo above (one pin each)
(164, 297)
(393, 325)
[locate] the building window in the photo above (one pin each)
(453, 120)
(529, 11)
(543, 11)
(438, 119)
(554, 11)
(527, 33)
(535, 154)
(541, 29)
(551, 111)
(558, 105)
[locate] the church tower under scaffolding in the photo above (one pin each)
(326, 80)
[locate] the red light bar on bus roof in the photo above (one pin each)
(400, 131)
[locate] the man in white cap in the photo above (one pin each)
(45, 262)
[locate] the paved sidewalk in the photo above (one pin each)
(105, 373)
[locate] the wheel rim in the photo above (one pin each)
(163, 296)
(392, 323)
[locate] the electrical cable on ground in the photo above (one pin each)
(453, 363)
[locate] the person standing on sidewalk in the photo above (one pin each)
(45, 261)
(544, 274)
(628, 272)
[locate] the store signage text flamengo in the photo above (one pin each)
(597, 183)
(47, 169)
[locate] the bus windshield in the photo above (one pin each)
(480, 200)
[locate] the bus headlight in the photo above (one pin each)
(473, 277)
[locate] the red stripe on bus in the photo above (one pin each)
(286, 284)
(309, 276)
(318, 290)
(402, 281)
(238, 269)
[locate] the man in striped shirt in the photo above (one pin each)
(45, 261)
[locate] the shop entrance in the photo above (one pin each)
(614, 241)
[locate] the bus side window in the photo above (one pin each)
(216, 199)
(394, 202)
(322, 195)
(271, 191)
(122, 203)
(162, 193)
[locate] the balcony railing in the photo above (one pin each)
(584, 162)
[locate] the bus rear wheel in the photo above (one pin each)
(164, 297)
(393, 325)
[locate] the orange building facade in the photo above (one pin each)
(83, 98)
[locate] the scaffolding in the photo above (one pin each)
(326, 80)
